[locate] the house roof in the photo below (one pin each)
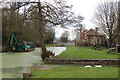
(91, 32)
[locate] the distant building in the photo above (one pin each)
(89, 38)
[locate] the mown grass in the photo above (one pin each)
(50, 45)
(77, 72)
(78, 52)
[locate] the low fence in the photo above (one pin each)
(82, 61)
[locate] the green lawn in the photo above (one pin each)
(77, 72)
(49, 45)
(78, 52)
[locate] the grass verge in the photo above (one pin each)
(77, 72)
(78, 52)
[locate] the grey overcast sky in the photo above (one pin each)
(85, 8)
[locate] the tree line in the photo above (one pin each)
(19, 22)
(107, 18)
(35, 21)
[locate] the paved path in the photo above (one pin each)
(14, 64)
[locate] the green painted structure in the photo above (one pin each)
(23, 46)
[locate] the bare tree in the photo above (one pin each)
(106, 18)
(57, 14)
(65, 36)
(52, 15)
(46, 15)
(77, 23)
(118, 37)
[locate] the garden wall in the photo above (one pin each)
(82, 61)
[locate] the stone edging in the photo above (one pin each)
(82, 61)
(28, 74)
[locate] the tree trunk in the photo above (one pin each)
(110, 38)
(41, 29)
(44, 53)
(118, 26)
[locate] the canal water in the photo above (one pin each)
(15, 63)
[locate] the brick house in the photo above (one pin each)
(89, 38)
